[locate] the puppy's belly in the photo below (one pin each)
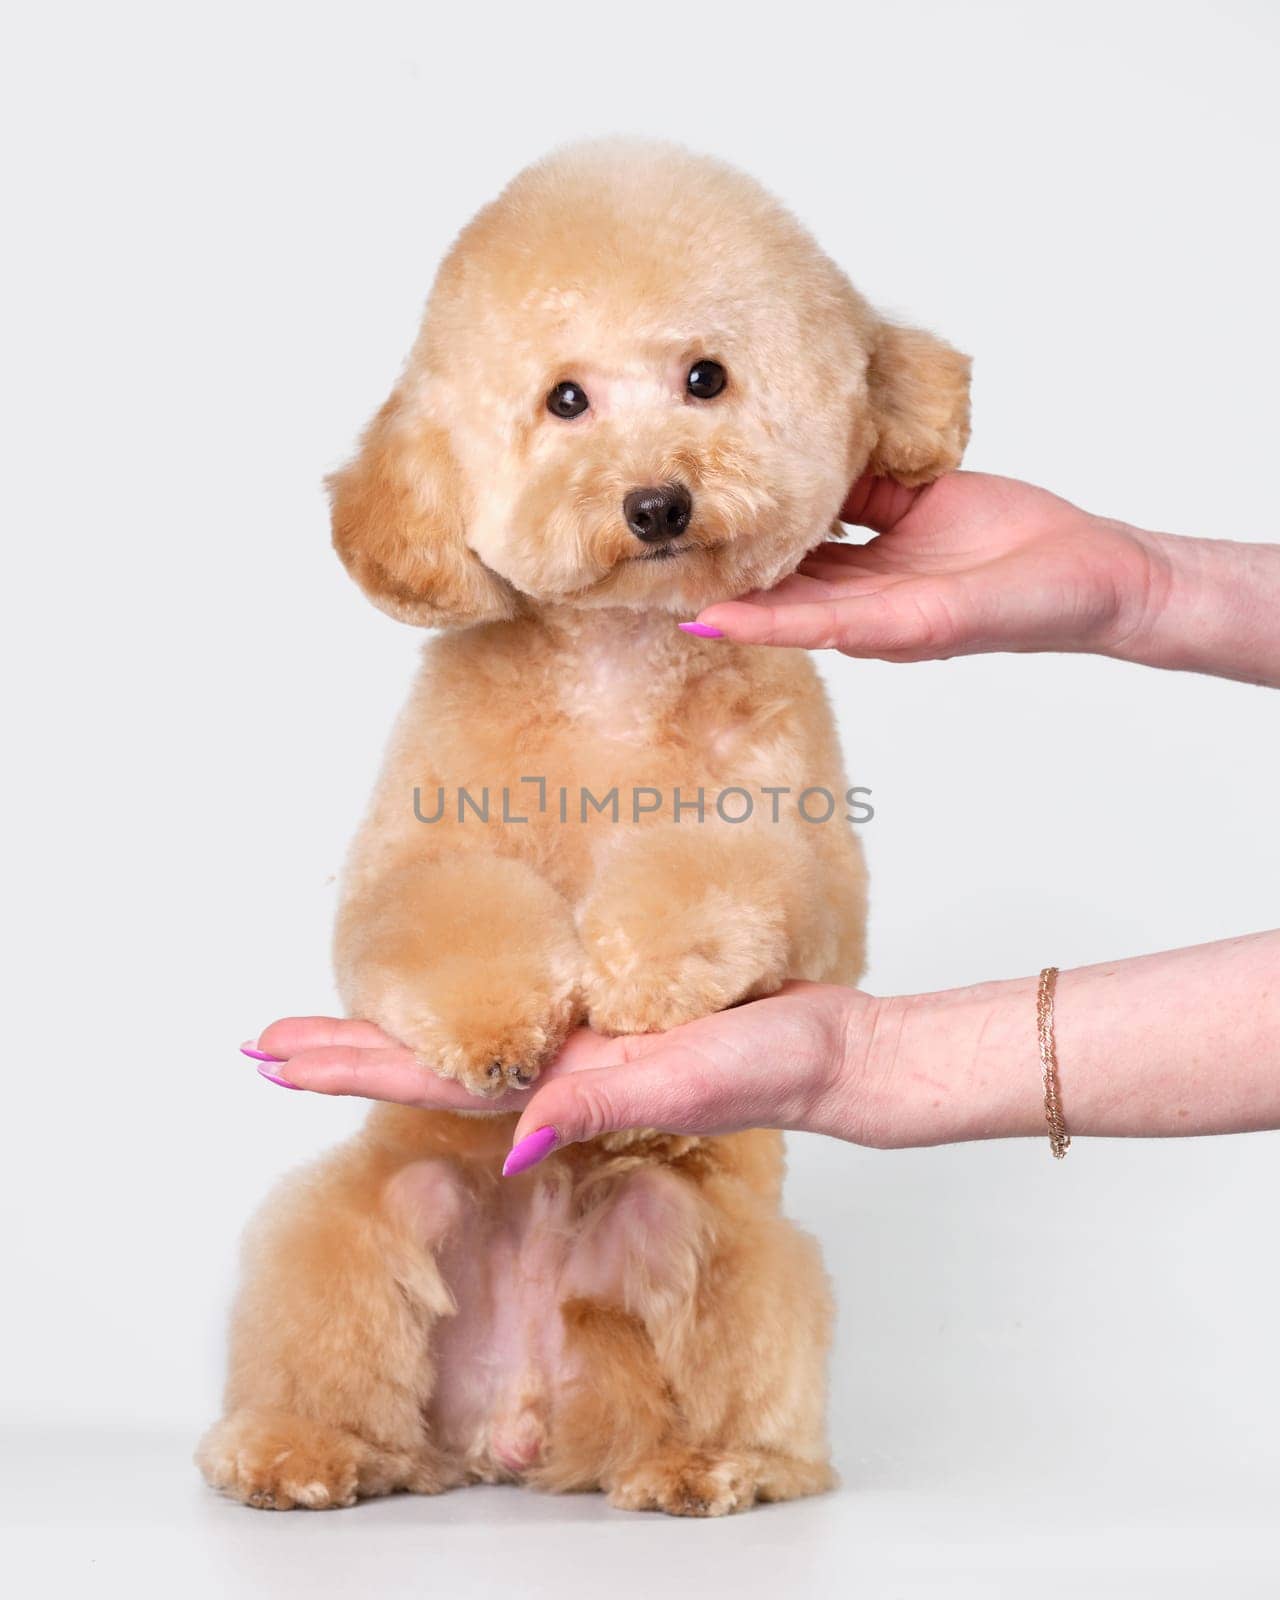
(510, 1261)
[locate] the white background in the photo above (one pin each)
(222, 221)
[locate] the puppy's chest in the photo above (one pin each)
(614, 694)
(625, 710)
(573, 738)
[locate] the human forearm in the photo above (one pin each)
(1184, 1042)
(1209, 605)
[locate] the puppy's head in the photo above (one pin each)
(638, 383)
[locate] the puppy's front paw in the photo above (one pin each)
(485, 1039)
(645, 977)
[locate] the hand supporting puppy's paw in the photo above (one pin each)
(460, 1028)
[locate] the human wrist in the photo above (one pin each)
(1200, 605)
(945, 1068)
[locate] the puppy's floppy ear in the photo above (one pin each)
(398, 524)
(919, 394)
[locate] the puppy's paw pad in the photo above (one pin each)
(485, 1068)
(514, 1074)
(502, 1043)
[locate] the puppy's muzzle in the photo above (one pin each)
(659, 513)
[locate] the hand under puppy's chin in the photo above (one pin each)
(687, 581)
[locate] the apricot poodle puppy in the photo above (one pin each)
(640, 387)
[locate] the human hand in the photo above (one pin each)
(798, 1059)
(886, 1072)
(970, 563)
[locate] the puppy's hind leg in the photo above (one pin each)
(330, 1349)
(703, 1362)
(747, 1384)
(747, 1374)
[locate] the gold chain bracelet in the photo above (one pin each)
(1059, 1138)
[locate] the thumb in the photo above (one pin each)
(671, 1089)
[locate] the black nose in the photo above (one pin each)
(658, 513)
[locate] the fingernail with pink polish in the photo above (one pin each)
(271, 1078)
(531, 1149)
(700, 630)
(250, 1048)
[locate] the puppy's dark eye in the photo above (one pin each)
(706, 379)
(567, 400)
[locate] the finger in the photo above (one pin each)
(913, 620)
(672, 1089)
(394, 1075)
(873, 559)
(807, 582)
(861, 625)
(878, 503)
(797, 588)
(811, 624)
(837, 554)
(831, 582)
(585, 1050)
(289, 1035)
